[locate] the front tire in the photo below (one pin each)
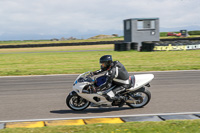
(141, 98)
(77, 103)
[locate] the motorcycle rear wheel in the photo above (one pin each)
(142, 98)
(76, 103)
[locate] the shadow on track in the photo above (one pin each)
(90, 110)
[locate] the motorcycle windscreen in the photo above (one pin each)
(101, 80)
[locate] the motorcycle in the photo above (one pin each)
(84, 92)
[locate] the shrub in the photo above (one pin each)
(197, 32)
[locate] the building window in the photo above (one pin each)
(146, 24)
(128, 25)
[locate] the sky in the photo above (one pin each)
(47, 19)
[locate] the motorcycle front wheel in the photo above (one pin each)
(77, 103)
(139, 98)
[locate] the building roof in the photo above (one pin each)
(142, 19)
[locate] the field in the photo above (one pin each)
(189, 126)
(42, 61)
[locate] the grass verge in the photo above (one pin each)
(172, 126)
(79, 62)
(60, 48)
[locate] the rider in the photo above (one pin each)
(117, 79)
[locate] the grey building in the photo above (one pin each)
(138, 30)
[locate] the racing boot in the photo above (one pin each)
(122, 101)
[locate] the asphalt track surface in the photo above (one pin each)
(43, 97)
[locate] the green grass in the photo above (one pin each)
(60, 48)
(187, 126)
(79, 62)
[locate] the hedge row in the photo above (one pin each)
(194, 32)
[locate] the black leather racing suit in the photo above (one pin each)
(117, 76)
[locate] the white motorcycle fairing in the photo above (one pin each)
(83, 94)
(78, 88)
(141, 80)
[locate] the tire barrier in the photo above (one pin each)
(147, 46)
(162, 45)
(58, 44)
(125, 46)
(169, 47)
(177, 44)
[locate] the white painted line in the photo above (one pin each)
(38, 75)
(74, 118)
(173, 71)
(78, 74)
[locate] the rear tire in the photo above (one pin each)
(77, 103)
(142, 98)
